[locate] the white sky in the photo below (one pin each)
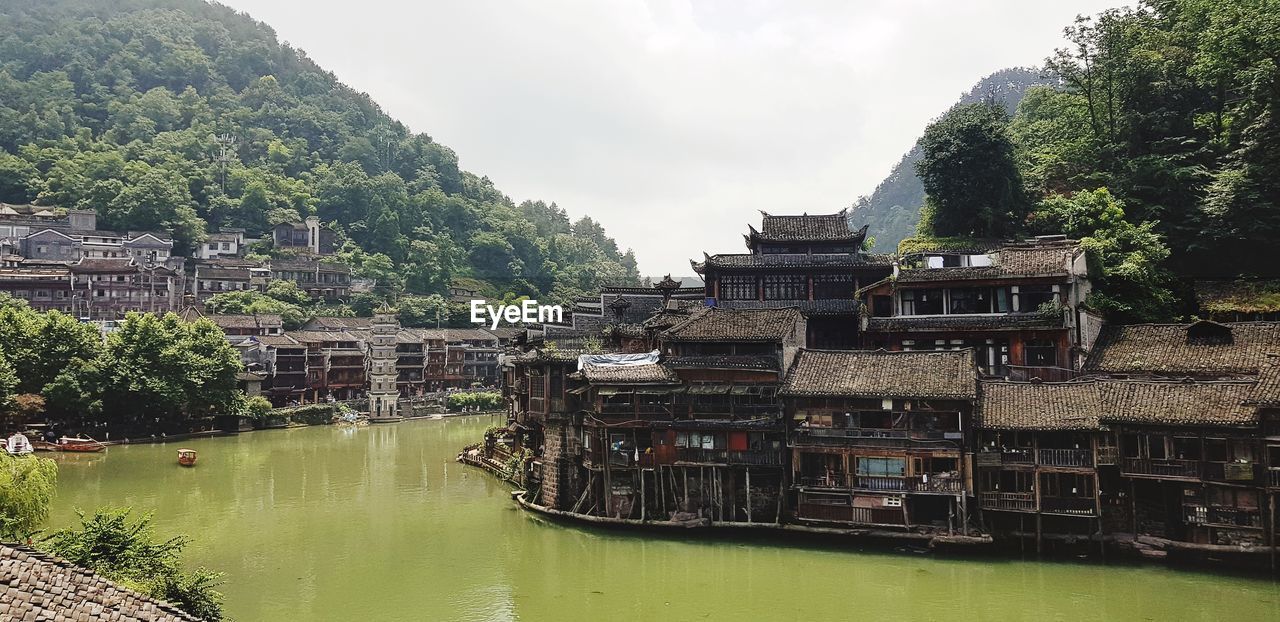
(671, 122)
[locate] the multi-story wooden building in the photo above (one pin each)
(1019, 305)
(815, 263)
(880, 439)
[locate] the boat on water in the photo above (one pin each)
(18, 445)
(82, 444)
(187, 457)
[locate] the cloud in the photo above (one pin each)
(672, 121)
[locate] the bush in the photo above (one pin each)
(256, 407)
(127, 551)
(475, 400)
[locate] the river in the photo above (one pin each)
(380, 523)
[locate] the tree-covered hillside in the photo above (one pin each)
(186, 116)
(892, 210)
(1158, 147)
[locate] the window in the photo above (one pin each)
(213, 246)
(922, 302)
(1041, 353)
(885, 467)
(738, 287)
(1031, 297)
(786, 287)
(226, 246)
(832, 286)
(970, 301)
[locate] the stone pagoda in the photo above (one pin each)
(380, 366)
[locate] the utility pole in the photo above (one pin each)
(226, 148)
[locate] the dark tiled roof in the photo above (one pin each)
(322, 322)
(1239, 296)
(1017, 321)
(881, 374)
(321, 336)
(679, 292)
(300, 265)
(1203, 348)
(278, 341)
(789, 261)
(238, 274)
(1178, 403)
(1039, 406)
(813, 228)
(1267, 392)
(36, 586)
(807, 307)
(86, 265)
(1042, 259)
(712, 324)
(652, 373)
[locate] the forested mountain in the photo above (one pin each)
(186, 116)
(893, 209)
(1158, 147)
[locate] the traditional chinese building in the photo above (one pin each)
(1018, 305)
(814, 263)
(881, 439)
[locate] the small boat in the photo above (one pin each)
(187, 457)
(18, 445)
(79, 444)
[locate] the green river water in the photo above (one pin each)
(380, 523)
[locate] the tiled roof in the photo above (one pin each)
(1267, 392)
(1039, 406)
(880, 374)
(1238, 296)
(815, 228)
(787, 260)
(321, 322)
(299, 265)
(469, 334)
(239, 274)
(1040, 259)
(713, 324)
(321, 336)
(1178, 403)
(104, 265)
(278, 341)
(1018, 321)
(1203, 348)
(652, 373)
(36, 586)
(1083, 404)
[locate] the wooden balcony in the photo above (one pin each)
(887, 483)
(872, 437)
(1077, 506)
(1232, 471)
(760, 457)
(1015, 501)
(1108, 454)
(1212, 516)
(1163, 468)
(1065, 457)
(847, 514)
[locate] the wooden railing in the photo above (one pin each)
(1224, 517)
(1108, 454)
(1082, 506)
(848, 514)
(760, 457)
(1230, 471)
(1024, 501)
(1065, 457)
(887, 483)
(1160, 468)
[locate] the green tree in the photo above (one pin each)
(970, 174)
(27, 486)
(128, 551)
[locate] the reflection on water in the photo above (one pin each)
(380, 523)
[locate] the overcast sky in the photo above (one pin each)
(672, 122)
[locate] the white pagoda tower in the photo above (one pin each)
(380, 367)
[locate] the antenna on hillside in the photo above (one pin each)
(226, 148)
